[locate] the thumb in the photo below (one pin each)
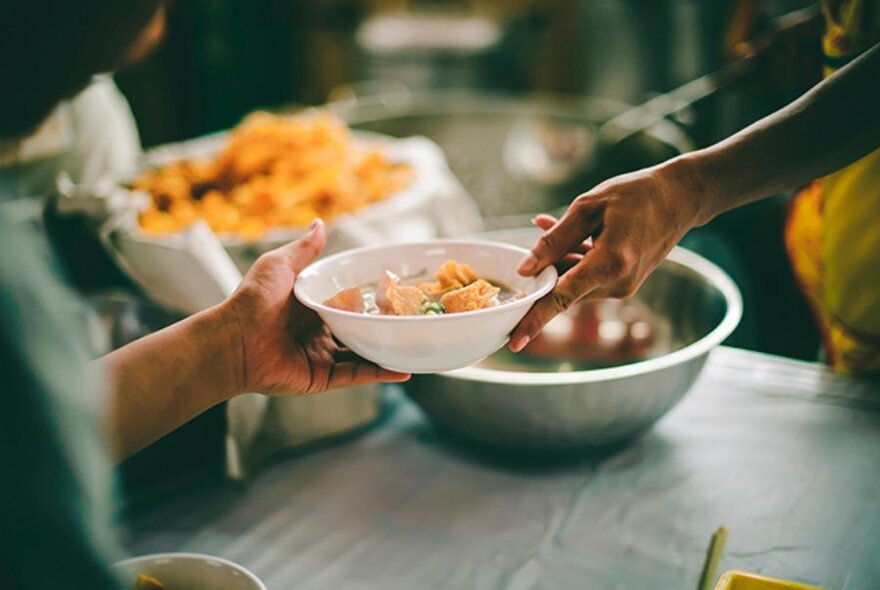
(302, 252)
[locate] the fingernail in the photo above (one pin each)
(314, 225)
(528, 264)
(519, 343)
(394, 377)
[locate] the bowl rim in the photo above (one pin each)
(188, 556)
(680, 256)
(545, 280)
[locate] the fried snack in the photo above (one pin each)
(477, 295)
(452, 275)
(276, 171)
(347, 300)
(392, 298)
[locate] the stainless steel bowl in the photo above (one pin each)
(554, 400)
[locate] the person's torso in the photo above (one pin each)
(851, 240)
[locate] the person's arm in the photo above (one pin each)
(834, 124)
(161, 381)
(261, 339)
(637, 218)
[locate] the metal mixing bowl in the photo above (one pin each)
(603, 375)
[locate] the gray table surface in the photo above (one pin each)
(783, 453)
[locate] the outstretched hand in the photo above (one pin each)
(286, 349)
(608, 241)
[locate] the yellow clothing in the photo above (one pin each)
(833, 233)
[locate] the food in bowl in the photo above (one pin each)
(276, 171)
(456, 288)
(184, 571)
(429, 342)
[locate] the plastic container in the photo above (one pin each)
(747, 581)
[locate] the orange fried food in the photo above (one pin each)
(395, 299)
(276, 171)
(478, 295)
(406, 300)
(347, 300)
(452, 275)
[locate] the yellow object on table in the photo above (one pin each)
(747, 581)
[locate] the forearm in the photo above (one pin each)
(831, 126)
(163, 380)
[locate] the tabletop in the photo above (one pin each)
(785, 454)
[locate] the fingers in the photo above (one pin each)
(544, 310)
(567, 235)
(545, 222)
(600, 273)
(361, 372)
(302, 252)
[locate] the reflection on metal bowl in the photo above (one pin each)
(602, 374)
(592, 335)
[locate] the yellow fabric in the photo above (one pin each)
(833, 233)
(851, 245)
(804, 233)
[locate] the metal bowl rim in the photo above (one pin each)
(715, 276)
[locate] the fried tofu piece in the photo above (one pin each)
(478, 295)
(348, 300)
(452, 275)
(406, 300)
(392, 298)
(382, 301)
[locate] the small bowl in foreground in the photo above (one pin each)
(422, 344)
(187, 571)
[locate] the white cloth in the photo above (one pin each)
(190, 271)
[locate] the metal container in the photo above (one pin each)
(428, 49)
(477, 132)
(565, 397)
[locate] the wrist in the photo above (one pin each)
(221, 342)
(690, 180)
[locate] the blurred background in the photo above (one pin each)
(490, 81)
(222, 59)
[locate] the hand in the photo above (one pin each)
(286, 349)
(609, 240)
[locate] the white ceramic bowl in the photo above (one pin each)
(188, 571)
(422, 344)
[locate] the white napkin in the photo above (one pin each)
(187, 271)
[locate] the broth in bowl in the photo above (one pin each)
(456, 288)
(415, 322)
